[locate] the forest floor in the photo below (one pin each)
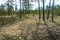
(28, 26)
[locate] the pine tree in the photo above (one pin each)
(53, 11)
(39, 10)
(20, 9)
(43, 11)
(49, 9)
(9, 4)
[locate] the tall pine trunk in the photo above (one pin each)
(53, 11)
(39, 10)
(23, 9)
(20, 9)
(16, 8)
(43, 12)
(48, 9)
(8, 8)
(28, 8)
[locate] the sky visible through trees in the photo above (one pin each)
(57, 2)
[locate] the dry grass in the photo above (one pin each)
(57, 20)
(7, 20)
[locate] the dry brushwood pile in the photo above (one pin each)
(30, 29)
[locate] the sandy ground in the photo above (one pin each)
(14, 29)
(28, 26)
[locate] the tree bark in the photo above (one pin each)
(53, 11)
(48, 10)
(20, 9)
(39, 10)
(43, 12)
(8, 8)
